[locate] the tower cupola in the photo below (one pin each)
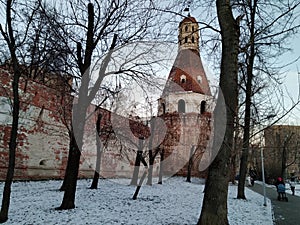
(188, 37)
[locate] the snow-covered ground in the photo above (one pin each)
(174, 202)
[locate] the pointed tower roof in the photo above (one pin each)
(187, 73)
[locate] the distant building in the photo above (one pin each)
(281, 151)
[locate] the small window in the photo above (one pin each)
(193, 28)
(199, 79)
(163, 106)
(181, 106)
(185, 39)
(193, 39)
(186, 28)
(43, 162)
(203, 107)
(182, 79)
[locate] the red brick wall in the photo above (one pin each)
(42, 135)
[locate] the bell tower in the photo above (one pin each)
(187, 85)
(186, 104)
(188, 37)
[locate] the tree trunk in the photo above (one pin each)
(137, 163)
(10, 39)
(151, 155)
(12, 146)
(235, 151)
(137, 190)
(190, 165)
(233, 169)
(99, 155)
(283, 161)
(70, 186)
(214, 209)
(161, 166)
(150, 170)
(68, 168)
(247, 119)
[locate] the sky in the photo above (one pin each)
(291, 81)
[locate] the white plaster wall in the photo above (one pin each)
(192, 102)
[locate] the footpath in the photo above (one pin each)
(285, 213)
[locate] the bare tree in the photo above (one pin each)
(100, 29)
(281, 147)
(15, 38)
(214, 209)
(260, 33)
(9, 36)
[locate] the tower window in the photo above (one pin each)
(185, 39)
(193, 39)
(203, 107)
(193, 28)
(186, 28)
(199, 79)
(163, 105)
(182, 79)
(181, 106)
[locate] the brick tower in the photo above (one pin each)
(186, 105)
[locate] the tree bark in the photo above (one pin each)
(137, 163)
(99, 155)
(151, 155)
(190, 165)
(283, 161)
(10, 39)
(71, 181)
(161, 166)
(247, 119)
(68, 167)
(12, 147)
(150, 170)
(137, 190)
(214, 209)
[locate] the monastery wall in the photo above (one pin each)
(43, 142)
(43, 139)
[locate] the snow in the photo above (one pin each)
(174, 202)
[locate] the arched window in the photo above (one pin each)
(182, 79)
(163, 106)
(193, 39)
(185, 39)
(181, 106)
(186, 28)
(203, 107)
(193, 28)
